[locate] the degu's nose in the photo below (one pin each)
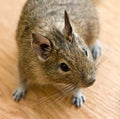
(91, 81)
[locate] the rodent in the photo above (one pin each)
(58, 42)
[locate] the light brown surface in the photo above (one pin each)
(103, 98)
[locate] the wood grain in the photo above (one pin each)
(103, 98)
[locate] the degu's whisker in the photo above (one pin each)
(66, 91)
(100, 62)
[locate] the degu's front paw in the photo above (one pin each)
(96, 50)
(19, 93)
(78, 99)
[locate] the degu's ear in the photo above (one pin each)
(41, 45)
(67, 28)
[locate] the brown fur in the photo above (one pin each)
(46, 18)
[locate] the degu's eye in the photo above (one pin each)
(64, 67)
(85, 51)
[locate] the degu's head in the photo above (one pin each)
(64, 56)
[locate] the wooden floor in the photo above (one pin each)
(103, 98)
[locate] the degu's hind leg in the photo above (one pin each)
(96, 49)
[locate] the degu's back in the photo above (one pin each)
(48, 13)
(57, 42)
